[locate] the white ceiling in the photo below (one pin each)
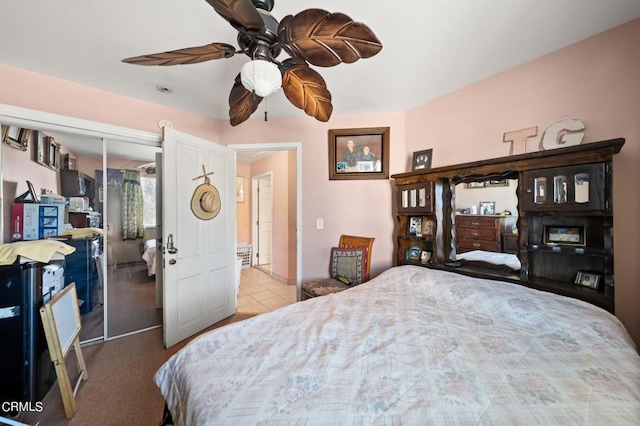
(430, 47)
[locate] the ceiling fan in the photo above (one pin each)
(313, 36)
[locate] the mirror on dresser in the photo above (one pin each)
(486, 214)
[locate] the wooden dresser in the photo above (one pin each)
(476, 232)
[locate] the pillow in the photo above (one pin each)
(349, 263)
(499, 259)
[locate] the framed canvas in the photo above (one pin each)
(361, 153)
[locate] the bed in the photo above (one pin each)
(149, 256)
(411, 346)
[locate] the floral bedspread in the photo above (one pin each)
(412, 346)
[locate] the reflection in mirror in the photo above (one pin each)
(83, 266)
(559, 189)
(581, 184)
(487, 239)
(125, 290)
(422, 197)
(130, 210)
(540, 184)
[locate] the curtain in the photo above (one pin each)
(132, 214)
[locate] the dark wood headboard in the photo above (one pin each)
(546, 265)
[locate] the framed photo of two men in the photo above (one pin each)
(361, 153)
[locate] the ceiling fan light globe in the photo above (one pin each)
(261, 77)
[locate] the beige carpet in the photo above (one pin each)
(120, 389)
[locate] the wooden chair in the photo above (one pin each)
(335, 284)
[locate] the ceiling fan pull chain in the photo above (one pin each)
(266, 101)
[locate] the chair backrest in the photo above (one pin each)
(348, 241)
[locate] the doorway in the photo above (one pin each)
(293, 243)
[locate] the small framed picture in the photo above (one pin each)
(501, 182)
(564, 235)
(475, 184)
(425, 256)
(414, 226)
(422, 159)
(414, 253)
(16, 137)
(68, 162)
(588, 279)
(487, 207)
(428, 226)
(41, 152)
(53, 153)
(239, 189)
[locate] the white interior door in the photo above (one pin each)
(199, 271)
(263, 211)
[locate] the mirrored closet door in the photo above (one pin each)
(129, 195)
(109, 186)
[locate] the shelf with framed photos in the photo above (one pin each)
(416, 244)
(417, 223)
(570, 228)
(564, 220)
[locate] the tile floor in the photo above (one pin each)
(259, 292)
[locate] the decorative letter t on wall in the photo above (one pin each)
(517, 136)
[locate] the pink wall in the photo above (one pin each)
(595, 81)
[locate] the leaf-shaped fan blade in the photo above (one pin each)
(306, 89)
(239, 13)
(242, 103)
(327, 39)
(190, 55)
